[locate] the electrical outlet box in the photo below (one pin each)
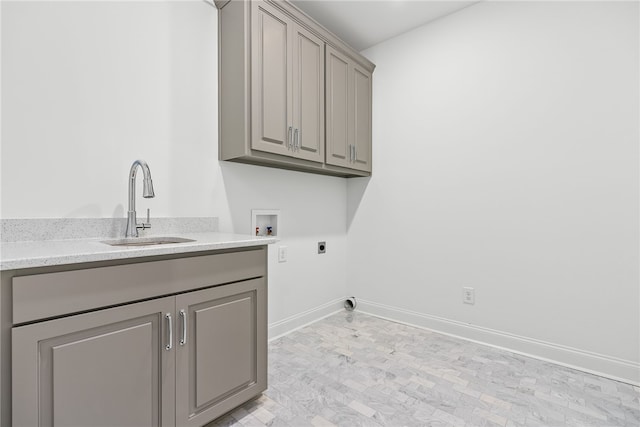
(468, 296)
(282, 254)
(322, 247)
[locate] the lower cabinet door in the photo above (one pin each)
(221, 354)
(105, 368)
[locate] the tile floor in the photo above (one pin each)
(352, 369)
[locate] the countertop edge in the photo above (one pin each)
(88, 251)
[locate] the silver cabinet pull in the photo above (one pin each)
(350, 153)
(289, 140)
(355, 153)
(295, 139)
(183, 316)
(169, 345)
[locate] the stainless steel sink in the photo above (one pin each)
(146, 241)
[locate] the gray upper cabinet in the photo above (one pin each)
(288, 80)
(272, 77)
(339, 119)
(273, 65)
(360, 78)
(308, 95)
(348, 113)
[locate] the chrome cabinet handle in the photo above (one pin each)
(355, 153)
(295, 139)
(350, 153)
(169, 345)
(183, 315)
(289, 140)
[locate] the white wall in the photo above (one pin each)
(506, 159)
(88, 87)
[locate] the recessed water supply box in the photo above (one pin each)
(265, 222)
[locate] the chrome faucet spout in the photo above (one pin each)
(147, 192)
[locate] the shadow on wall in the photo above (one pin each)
(239, 191)
(309, 204)
(355, 192)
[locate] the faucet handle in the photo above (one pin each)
(147, 224)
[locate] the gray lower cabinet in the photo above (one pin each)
(221, 351)
(105, 368)
(180, 360)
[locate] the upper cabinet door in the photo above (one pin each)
(339, 151)
(362, 118)
(308, 95)
(271, 80)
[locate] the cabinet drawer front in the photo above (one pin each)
(54, 294)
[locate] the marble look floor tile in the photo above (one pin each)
(318, 421)
(362, 408)
(352, 369)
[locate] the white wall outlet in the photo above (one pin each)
(468, 296)
(282, 254)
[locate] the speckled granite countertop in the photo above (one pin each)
(55, 249)
(17, 255)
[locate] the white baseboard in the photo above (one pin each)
(598, 364)
(300, 320)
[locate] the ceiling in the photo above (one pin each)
(364, 23)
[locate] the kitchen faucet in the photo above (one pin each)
(147, 193)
